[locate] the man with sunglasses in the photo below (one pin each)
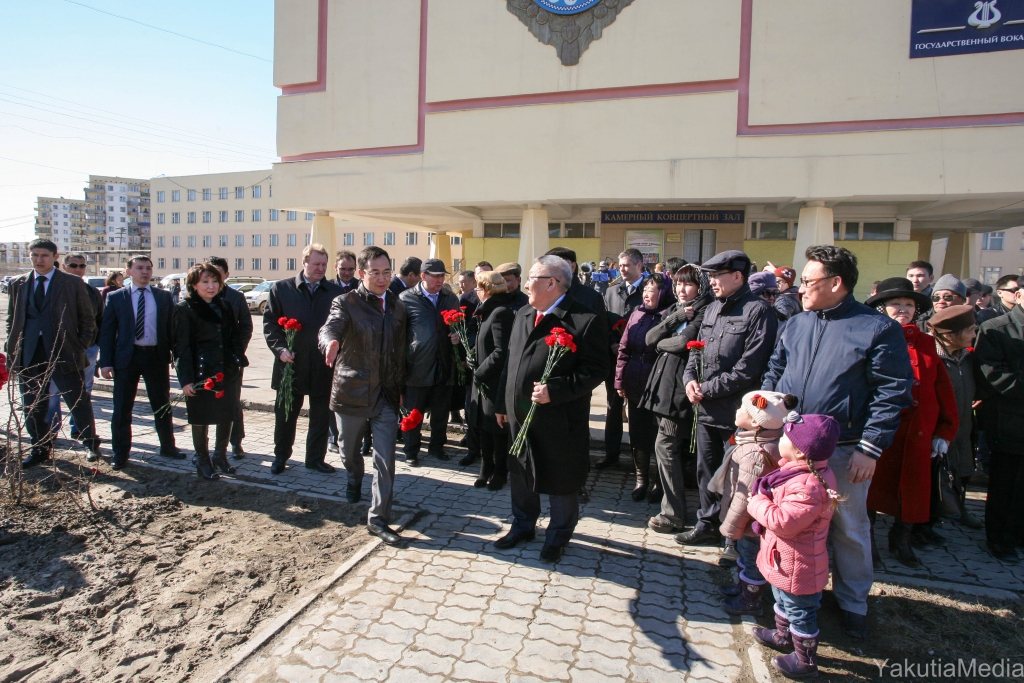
(1004, 301)
(947, 291)
(75, 264)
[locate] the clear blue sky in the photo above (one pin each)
(220, 105)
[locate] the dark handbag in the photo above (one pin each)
(946, 490)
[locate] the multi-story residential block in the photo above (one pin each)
(14, 257)
(234, 215)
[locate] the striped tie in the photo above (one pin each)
(140, 317)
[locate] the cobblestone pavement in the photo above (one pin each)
(623, 604)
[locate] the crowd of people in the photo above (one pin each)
(797, 412)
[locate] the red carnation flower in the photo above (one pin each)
(695, 345)
(619, 326)
(282, 321)
(970, 349)
(219, 394)
(208, 384)
(219, 377)
(411, 421)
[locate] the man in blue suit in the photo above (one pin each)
(135, 342)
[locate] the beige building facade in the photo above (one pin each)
(237, 216)
(673, 125)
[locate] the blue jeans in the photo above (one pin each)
(801, 611)
(850, 536)
(747, 547)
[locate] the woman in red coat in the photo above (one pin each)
(901, 486)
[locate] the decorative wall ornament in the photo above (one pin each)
(570, 25)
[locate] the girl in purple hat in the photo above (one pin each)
(792, 508)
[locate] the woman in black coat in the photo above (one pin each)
(494, 317)
(665, 393)
(209, 357)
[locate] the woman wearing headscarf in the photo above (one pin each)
(635, 363)
(954, 329)
(901, 485)
(210, 357)
(665, 393)
(494, 321)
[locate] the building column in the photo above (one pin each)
(323, 234)
(814, 227)
(533, 235)
(441, 248)
(958, 255)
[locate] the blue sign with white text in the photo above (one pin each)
(958, 27)
(567, 6)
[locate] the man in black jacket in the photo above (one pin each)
(430, 361)
(307, 298)
(1004, 301)
(739, 330)
(75, 264)
(345, 269)
(408, 275)
(243, 319)
(621, 299)
(556, 459)
(512, 273)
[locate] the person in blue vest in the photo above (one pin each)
(135, 342)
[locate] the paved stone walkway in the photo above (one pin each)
(623, 604)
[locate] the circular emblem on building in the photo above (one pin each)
(566, 6)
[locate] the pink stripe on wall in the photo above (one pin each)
(740, 84)
(320, 84)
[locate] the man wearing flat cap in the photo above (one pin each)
(429, 360)
(513, 273)
(739, 331)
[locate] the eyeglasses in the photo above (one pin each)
(809, 283)
(770, 292)
(542, 277)
(378, 274)
(948, 298)
(1008, 289)
(74, 265)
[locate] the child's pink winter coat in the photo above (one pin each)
(793, 555)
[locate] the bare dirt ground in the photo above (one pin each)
(164, 580)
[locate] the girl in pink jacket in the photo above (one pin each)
(792, 508)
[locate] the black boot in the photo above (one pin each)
(899, 544)
(486, 469)
(608, 460)
(642, 463)
(220, 449)
(204, 468)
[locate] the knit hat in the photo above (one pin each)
(953, 319)
(786, 273)
(815, 435)
(768, 409)
(950, 283)
(758, 282)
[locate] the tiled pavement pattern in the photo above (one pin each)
(622, 604)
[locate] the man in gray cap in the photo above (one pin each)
(739, 332)
(947, 291)
(429, 360)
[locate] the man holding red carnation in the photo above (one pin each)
(556, 456)
(364, 342)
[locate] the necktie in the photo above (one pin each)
(140, 316)
(384, 304)
(536, 321)
(40, 291)
(629, 290)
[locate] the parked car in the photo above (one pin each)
(243, 287)
(243, 279)
(3, 283)
(257, 297)
(165, 282)
(95, 281)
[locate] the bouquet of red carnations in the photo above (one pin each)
(559, 343)
(456, 322)
(284, 390)
(210, 384)
(412, 420)
(698, 348)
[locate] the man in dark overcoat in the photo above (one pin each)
(307, 297)
(557, 456)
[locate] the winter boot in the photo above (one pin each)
(220, 449)
(204, 468)
(966, 518)
(924, 536)
(778, 638)
(803, 662)
(642, 463)
(486, 469)
(732, 590)
(899, 545)
(749, 599)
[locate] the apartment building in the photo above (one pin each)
(14, 258)
(108, 226)
(234, 215)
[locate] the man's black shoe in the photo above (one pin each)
(320, 467)
(512, 538)
(412, 462)
(1005, 553)
(333, 448)
(75, 434)
(469, 459)
(855, 624)
(36, 456)
(237, 452)
(384, 533)
(699, 535)
(118, 464)
(440, 456)
(353, 494)
(607, 461)
(550, 553)
(173, 453)
(277, 467)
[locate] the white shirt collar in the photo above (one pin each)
(46, 275)
(554, 305)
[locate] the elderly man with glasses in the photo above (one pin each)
(947, 291)
(557, 456)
